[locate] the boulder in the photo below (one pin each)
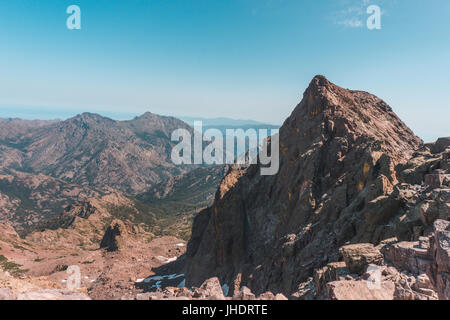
(360, 290)
(358, 256)
(244, 293)
(210, 288)
(409, 256)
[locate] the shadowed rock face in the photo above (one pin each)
(115, 236)
(338, 152)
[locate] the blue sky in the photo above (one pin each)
(247, 59)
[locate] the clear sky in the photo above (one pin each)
(244, 59)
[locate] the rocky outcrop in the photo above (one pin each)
(416, 270)
(439, 253)
(115, 237)
(337, 185)
(357, 257)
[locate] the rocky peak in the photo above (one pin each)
(147, 115)
(88, 118)
(338, 153)
(328, 113)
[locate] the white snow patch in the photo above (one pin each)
(158, 279)
(171, 259)
(173, 276)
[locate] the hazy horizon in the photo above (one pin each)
(38, 114)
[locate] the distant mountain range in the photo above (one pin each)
(96, 151)
(48, 165)
(222, 121)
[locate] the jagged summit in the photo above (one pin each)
(320, 81)
(89, 117)
(328, 112)
(146, 115)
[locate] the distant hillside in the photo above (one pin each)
(12, 128)
(28, 199)
(176, 201)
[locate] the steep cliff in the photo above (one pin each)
(338, 153)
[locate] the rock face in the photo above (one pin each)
(440, 254)
(338, 154)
